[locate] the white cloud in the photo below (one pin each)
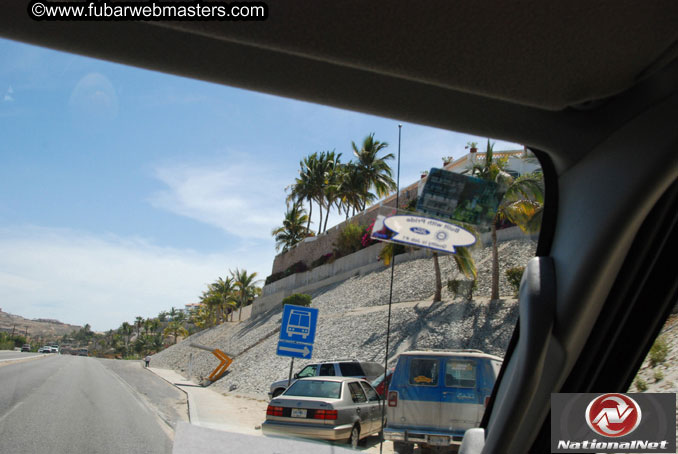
(243, 197)
(80, 278)
(8, 95)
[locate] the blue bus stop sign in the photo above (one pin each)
(297, 332)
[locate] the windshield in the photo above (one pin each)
(163, 239)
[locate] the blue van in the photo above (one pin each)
(435, 396)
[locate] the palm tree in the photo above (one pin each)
(147, 325)
(351, 189)
(127, 330)
(293, 230)
(138, 323)
(211, 301)
(375, 171)
(224, 289)
(155, 325)
(522, 202)
(331, 166)
(305, 186)
(246, 285)
(175, 329)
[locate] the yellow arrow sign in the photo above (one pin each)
(225, 361)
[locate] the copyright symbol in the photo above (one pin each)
(37, 10)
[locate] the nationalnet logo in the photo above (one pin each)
(613, 415)
(613, 422)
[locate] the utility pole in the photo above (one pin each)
(13, 326)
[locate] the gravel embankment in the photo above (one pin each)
(353, 319)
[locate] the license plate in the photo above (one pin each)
(438, 440)
(298, 412)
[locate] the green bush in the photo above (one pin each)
(462, 288)
(658, 375)
(641, 384)
(514, 275)
(275, 277)
(349, 240)
(297, 299)
(297, 267)
(323, 259)
(658, 351)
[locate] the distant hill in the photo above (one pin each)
(41, 327)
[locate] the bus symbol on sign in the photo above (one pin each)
(299, 323)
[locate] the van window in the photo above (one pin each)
(424, 372)
(351, 370)
(327, 370)
(357, 393)
(460, 373)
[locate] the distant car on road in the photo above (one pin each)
(368, 370)
(326, 408)
(26, 348)
(45, 349)
(83, 352)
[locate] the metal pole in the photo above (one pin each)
(390, 299)
(289, 379)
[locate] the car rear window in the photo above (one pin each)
(372, 395)
(315, 388)
(357, 393)
(424, 372)
(351, 370)
(460, 373)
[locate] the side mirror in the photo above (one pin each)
(296, 376)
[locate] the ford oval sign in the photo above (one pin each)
(423, 232)
(419, 230)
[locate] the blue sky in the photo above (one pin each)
(123, 192)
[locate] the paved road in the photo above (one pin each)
(70, 404)
(167, 401)
(7, 354)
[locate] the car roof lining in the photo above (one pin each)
(380, 63)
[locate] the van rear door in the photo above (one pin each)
(462, 404)
(418, 386)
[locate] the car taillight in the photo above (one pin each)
(325, 414)
(393, 398)
(274, 411)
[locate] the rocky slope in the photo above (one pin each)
(353, 319)
(47, 329)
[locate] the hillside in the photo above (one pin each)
(46, 329)
(352, 324)
(661, 377)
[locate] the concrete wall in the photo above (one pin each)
(246, 313)
(362, 262)
(511, 233)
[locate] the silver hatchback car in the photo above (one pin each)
(327, 408)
